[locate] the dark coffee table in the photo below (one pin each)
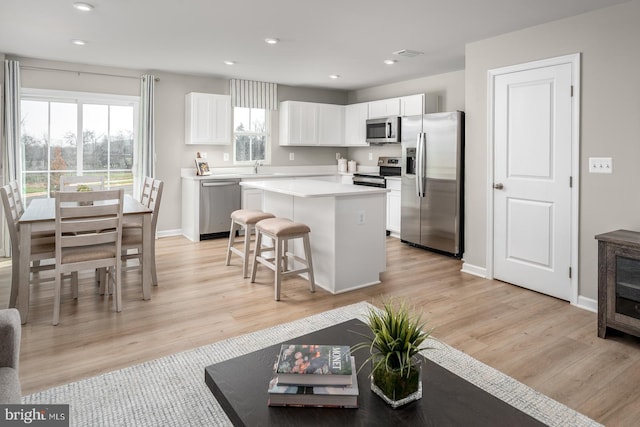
(240, 386)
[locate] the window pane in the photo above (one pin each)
(257, 120)
(35, 186)
(62, 142)
(243, 148)
(121, 133)
(35, 134)
(241, 119)
(258, 148)
(95, 120)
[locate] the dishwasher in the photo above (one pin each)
(218, 198)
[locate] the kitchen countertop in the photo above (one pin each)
(313, 188)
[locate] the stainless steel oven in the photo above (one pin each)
(387, 166)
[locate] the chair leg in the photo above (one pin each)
(117, 285)
(232, 238)
(154, 274)
(56, 298)
(256, 253)
(247, 250)
(307, 256)
(278, 264)
(74, 284)
(15, 275)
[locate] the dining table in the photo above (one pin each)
(40, 216)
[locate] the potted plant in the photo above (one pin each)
(397, 335)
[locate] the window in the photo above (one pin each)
(51, 122)
(251, 135)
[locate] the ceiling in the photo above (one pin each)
(350, 38)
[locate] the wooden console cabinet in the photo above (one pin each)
(619, 282)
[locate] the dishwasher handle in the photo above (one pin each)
(219, 183)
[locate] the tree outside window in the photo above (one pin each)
(251, 135)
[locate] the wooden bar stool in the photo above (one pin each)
(247, 219)
(282, 230)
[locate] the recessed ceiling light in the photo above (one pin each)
(79, 42)
(334, 76)
(229, 62)
(85, 7)
(271, 40)
(390, 61)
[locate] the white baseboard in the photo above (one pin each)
(587, 303)
(474, 269)
(169, 233)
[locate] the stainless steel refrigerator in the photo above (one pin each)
(433, 181)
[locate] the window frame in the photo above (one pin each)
(266, 133)
(79, 99)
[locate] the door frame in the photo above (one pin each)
(574, 61)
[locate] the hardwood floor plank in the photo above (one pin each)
(543, 342)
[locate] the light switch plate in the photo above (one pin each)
(225, 157)
(292, 156)
(600, 165)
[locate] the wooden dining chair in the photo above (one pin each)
(132, 236)
(42, 244)
(88, 236)
(72, 182)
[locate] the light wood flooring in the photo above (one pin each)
(541, 341)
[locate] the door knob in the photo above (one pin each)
(498, 186)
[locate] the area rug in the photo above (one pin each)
(171, 391)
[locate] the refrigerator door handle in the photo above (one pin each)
(420, 164)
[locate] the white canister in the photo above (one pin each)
(342, 165)
(352, 166)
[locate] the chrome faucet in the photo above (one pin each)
(255, 166)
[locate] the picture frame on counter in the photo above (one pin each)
(202, 167)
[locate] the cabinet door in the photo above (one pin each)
(384, 108)
(207, 119)
(252, 198)
(412, 105)
(355, 124)
(330, 124)
(298, 123)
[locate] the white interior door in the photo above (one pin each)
(532, 197)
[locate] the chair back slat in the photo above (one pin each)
(11, 212)
(154, 201)
(146, 190)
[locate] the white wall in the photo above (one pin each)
(172, 153)
(610, 125)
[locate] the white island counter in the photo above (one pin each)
(348, 228)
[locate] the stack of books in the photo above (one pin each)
(314, 375)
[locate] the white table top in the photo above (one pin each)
(313, 188)
(45, 209)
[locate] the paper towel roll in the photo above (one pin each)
(352, 166)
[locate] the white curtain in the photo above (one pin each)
(146, 160)
(11, 134)
(252, 94)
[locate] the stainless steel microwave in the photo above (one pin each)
(383, 131)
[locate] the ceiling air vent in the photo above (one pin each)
(407, 53)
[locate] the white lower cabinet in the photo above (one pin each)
(252, 198)
(394, 206)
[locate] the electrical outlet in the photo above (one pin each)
(600, 165)
(370, 156)
(337, 156)
(203, 154)
(292, 156)
(225, 157)
(361, 218)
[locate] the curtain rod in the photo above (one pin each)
(30, 67)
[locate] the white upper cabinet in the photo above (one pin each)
(384, 108)
(330, 124)
(310, 123)
(412, 105)
(355, 131)
(207, 119)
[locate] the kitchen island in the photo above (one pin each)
(348, 227)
